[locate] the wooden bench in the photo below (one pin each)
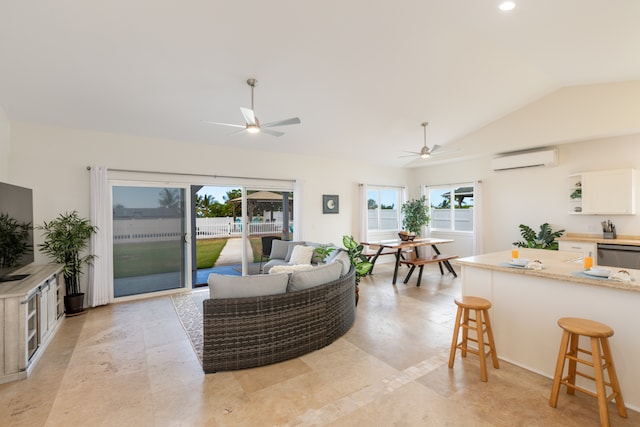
(421, 262)
(373, 254)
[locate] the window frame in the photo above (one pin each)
(452, 214)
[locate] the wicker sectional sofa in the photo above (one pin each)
(247, 332)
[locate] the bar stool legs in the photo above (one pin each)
(598, 334)
(481, 325)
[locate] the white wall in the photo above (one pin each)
(534, 196)
(52, 161)
(4, 145)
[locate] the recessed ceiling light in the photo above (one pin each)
(506, 6)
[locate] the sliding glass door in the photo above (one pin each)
(149, 245)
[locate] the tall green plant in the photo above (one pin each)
(545, 239)
(64, 238)
(359, 262)
(416, 215)
(14, 240)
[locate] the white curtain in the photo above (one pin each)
(364, 217)
(298, 187)
(478, 232)
(100, 289)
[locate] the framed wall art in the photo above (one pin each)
(330, 204)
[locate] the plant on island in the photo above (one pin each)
(545, 239)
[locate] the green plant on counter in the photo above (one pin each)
(545, 239)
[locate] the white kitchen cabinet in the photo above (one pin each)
(583, 248)
(608, 192)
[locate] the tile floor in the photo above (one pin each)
(131, 364)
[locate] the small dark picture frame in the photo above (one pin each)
(330, 204)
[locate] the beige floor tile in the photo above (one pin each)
(131, 364)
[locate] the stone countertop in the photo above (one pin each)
(597, 238)
(558, 265)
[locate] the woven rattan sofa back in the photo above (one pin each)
(243, 333)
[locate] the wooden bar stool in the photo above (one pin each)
(598, 334)
(481, 324)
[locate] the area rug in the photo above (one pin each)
(188, 306)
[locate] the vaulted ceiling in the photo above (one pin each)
(361, 75)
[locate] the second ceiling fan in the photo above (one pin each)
(252, 124)
(425, 152)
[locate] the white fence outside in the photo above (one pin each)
(153, 230)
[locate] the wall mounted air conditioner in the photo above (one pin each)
(548, 157)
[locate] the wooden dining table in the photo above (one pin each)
(403, 245)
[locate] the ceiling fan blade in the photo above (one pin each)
(225, 124)
(286, 122)
(243, 130)
(271, 132)
(411, 153)
(249, 116)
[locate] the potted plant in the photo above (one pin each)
(545, 239)
(415, 216)
(323, 251)
(358, 260)
(14, 240)
(64, 238)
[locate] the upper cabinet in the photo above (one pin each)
(609, 192)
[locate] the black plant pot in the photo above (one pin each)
(74, 304)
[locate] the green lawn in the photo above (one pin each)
(141, 259)
(208, 251)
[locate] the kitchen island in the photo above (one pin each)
(526, 305)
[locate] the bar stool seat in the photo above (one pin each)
(481, 325)
(601, 360)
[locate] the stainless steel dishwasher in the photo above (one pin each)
(624, 256)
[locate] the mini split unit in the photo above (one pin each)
(525, 159)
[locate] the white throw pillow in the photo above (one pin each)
(223, 286)
(315, 276)
(287, 268)
(301, 255)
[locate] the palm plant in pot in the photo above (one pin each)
(415, 216)
(64, 239)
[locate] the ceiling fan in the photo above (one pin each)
(425, 152)
(252, 124)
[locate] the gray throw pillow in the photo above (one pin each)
(223, 286)
(279, 249)
(343, 258)
(315, 276)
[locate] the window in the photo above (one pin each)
(383, 208)
(451, 207)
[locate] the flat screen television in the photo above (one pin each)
(16, 228)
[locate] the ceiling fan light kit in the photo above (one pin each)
(252, 124)
(424, 152)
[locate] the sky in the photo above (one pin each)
(147, 197)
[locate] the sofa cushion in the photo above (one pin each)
(315, 276)
(343, 258)
(301, 254)
(279, 249)
(223, 286)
